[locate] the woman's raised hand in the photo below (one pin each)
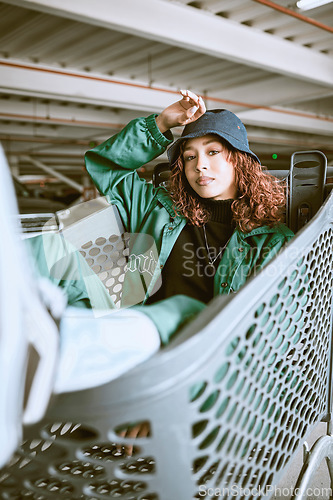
(182, 112)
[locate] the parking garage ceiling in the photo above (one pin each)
(74, 72)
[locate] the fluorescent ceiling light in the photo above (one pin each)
(311, 4)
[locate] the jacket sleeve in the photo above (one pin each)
(112, 167)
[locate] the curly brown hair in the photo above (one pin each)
(260, 198)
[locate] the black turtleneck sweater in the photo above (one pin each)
(188, 270)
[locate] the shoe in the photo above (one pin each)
(96, 350)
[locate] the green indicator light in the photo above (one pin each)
(92, 144)
(274, 156)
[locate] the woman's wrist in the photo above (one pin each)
(161, 123)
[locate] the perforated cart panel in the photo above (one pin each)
(107, 257)
(102, 241)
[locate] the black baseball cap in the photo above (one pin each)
(220, 122)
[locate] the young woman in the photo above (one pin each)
(218, 222)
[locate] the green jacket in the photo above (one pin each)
(148, 210)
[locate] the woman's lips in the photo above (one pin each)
(204, 181)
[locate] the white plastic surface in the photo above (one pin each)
(23, 320)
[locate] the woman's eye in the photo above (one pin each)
(214, 152)
(189, 157)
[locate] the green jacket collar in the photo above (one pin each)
(164, 198)
(280, 228)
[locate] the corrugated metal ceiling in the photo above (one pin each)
(283, 111)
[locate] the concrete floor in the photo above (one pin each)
(319, 485)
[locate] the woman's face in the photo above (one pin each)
(207, 169)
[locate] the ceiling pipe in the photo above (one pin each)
(61, 121)
(161, 89)
(105, 125)
(74, 142)
(297, 15)
(47, 140)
